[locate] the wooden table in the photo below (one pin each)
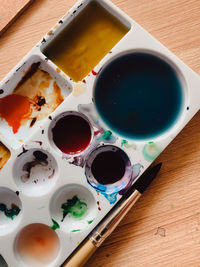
(163, 229)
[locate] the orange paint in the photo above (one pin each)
(14, 108)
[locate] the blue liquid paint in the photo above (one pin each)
(138, 95)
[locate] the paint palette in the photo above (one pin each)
(82, 115)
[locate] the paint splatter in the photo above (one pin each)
(14, 109)
(108, 137)
(4, 155)
(77, 230)
(161, 232)
(55, 225)
(150, 151)
(91, 221)
(123, 142)
(94, 72)
(75, 207)
(10, 213)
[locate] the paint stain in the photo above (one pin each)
(33, 99)
(55, 225)
(138, 96)
(14, 109)
(38, 164)
(37, 245)
(10, 213)
(75, 207)
(151, 151)
(79, 88)
(77, 230)
(161, 232)
(108, 167)
(72, 134)
(4, 155)
(85, 41)
(91, 221)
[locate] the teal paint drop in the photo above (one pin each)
(138, 95)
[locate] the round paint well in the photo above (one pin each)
(37, 245)
(73, 207)
(139, 95)
(35, 172)
(10, 211)
(108, 169)
(71, 133)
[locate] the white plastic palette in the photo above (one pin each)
(38, 178)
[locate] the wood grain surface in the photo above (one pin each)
(10, 10)
(163, 229)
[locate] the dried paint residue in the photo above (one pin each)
(151, 151)
(75, 207)
(39, 164)
(10, 213)
(4, 155)
(34, 98)
(55, 225)
(14, 109)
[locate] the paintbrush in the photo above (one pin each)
(113, 218)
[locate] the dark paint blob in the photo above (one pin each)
(108, 167)
(72, 134)
(10, 213)
(138, 95)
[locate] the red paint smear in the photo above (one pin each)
(84, 81)
(94, 72)
(72, 134)
(14, 108)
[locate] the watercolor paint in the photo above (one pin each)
(34, 98)
(138, 95)
(82, 116)
(37, 245)
(4, 155)
(85, 41)
(72, 133)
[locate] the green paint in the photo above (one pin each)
(42, 207)
(55, 225)
(89, 222)
(123, 142)
(75, 207)
(150, 151)
(10, 213)
(74, 231)
(106, 135)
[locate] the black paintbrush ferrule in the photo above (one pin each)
(146, 178)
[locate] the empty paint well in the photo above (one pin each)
(108, 169)
(73, 207)
(10, 211)
(139, 95)
(37, 245)
(35, 172)
(85, 41)
(71, 132)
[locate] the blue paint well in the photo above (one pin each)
(138, 95)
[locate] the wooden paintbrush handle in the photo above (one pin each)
(81, 256)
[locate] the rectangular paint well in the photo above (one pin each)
(4, 155)
(33, 99)
(85, 41)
